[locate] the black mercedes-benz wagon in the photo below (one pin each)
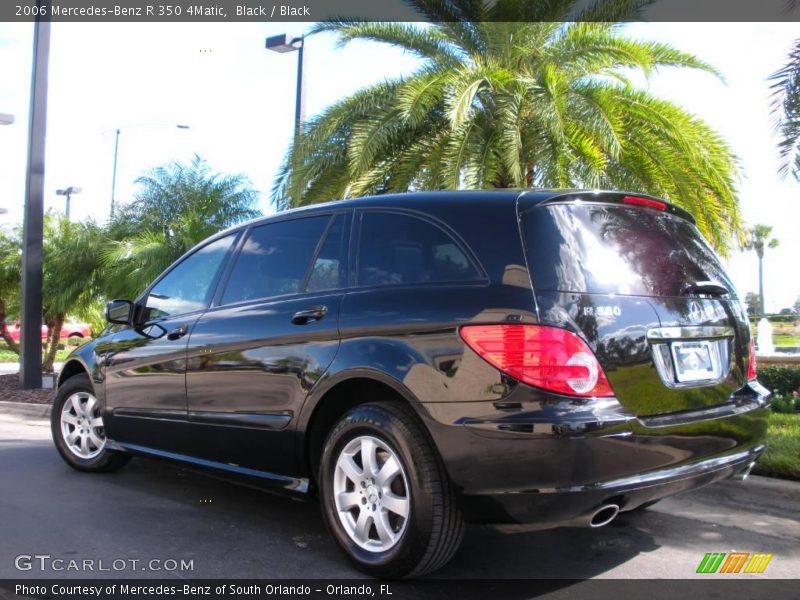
(423, 360)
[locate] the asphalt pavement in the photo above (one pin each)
(155, 511)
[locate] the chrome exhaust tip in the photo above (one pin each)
(742, 475)
(604, 515)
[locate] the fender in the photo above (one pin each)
(329, 381)
(86, 358)
(395, 357)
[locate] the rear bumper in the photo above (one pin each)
(552, 461)
(573, 505)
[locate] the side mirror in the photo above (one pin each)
(120, 312)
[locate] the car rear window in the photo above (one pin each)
(612, 249)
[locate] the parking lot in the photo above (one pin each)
(154, 511)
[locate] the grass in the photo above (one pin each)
(783, 341)
(782, 457)
(7, 355)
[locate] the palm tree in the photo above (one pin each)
(176, 207)
(758, 238)
(72, 277)
(539, 102)
(786, 110)
(10, 261)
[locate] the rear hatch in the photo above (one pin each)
(635, 277)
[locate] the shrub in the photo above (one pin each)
(786, 404)
(781, 380)
(774, 318)
(784, 383)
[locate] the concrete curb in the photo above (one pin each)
(25, 410)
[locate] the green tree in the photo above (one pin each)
(759, 237)
(786, 110)
(71, 277)
(752, 302)
(176, 207)
(542, 102)
(10, 261)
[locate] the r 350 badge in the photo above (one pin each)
(602, 311)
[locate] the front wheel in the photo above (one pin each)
(76, 422)
(385, 494)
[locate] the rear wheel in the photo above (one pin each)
(385, 495)
(76, 422)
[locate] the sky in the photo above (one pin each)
(238, 100)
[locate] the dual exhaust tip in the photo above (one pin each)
(603, 515)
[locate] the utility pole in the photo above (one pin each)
(30, 372)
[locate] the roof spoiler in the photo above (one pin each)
(628, 198)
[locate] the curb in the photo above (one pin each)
(25, 409)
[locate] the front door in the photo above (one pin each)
(145, 365)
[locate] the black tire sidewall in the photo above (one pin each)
(78, 383)
(382, 424)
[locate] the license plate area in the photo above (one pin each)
(696, 360)
(691, 356)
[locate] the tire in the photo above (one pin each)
(76, 410)
(430, 533)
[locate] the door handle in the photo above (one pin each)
(177, 333)
(315, 313)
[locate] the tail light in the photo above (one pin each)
(751, 362)
(545, 357)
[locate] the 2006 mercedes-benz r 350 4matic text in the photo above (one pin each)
(422, 360)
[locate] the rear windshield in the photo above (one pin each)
(614, 249)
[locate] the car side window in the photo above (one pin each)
(328, 272)
(274, 259)
(187, 287)
(401, 249)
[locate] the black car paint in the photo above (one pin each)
(514, 453)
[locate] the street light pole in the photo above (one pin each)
(30, 371)
(116, 154)
(114, 174)
(282, 44)
(299, 96)
(68, 193)
(5, 119)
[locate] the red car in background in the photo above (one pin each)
(78, 330)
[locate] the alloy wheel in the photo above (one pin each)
(82, 425)
(371, 493)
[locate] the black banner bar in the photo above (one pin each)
(729, 588)
(154, 11)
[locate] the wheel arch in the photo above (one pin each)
(334, 398)
(74, 366)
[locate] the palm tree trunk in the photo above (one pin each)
(52, 343)
(529, 175)
(761, 284)
(12, 345)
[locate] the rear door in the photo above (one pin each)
(650, 296)
(269, 336)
